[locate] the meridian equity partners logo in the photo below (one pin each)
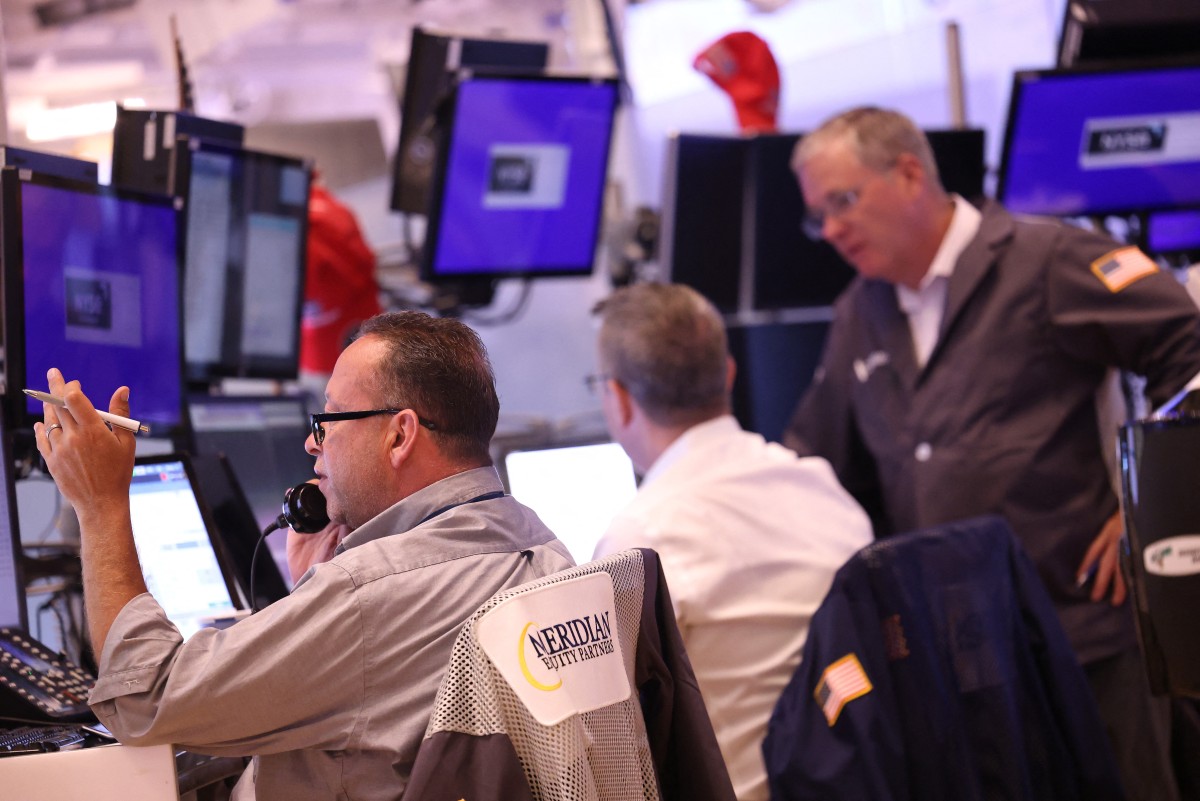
(572, 665)
(568, 643)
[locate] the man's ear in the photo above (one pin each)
(911, 172)
(730, 373)
(401, 434)
(624, 401)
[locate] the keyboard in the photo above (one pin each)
(39, 739)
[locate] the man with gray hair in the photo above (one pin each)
(960, 378)
(749, 535)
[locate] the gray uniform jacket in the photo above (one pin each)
(1002, 418)
(331, 687)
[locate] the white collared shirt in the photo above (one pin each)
(749, 536)
(925, 305)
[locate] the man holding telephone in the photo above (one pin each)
(330, 688)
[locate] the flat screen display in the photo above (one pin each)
(179, 561)
(92, 287)
(521, 181)
(575, 490)
(1173, 231)
(1102, 141)
(244, 261)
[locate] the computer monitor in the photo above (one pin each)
(433, 60)
(244, 260)
(520, 184)
(181, 561)
(145, 140)
(701, 239)
(50, 164)
(575, 489)
(1106, 141)
(1170, 233)
(263, 438)
(91, 286)
(13, 612)
(1107, 31)
(789, 269)
(238, 529)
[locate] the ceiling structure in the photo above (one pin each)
(250, 61)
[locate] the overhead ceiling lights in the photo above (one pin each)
(71, 122)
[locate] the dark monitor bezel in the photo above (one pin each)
(224, 561)
(428, 270)
(12, 261)
(434, 56)
(1023, 77)
(201, 373)
(9, 478)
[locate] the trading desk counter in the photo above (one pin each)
(104, 773)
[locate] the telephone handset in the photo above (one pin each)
(304, 509)
(37, 684)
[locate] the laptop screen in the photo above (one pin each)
(179, 562)
(575, 490)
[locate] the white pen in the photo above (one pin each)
(112, 419)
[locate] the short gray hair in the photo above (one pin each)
(877, 136)
(666, 344)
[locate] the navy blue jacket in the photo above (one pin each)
(974, 690)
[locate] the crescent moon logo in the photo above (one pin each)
(529, 677)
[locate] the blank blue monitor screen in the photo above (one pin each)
(1101, 142)
(1173, 231)
(101, 294)
(523, 179)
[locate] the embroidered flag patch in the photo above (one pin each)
(1120, 268)
(841, 683)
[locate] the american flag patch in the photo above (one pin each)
(1122, 267)
(840, 683)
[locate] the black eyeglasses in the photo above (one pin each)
(317, 421)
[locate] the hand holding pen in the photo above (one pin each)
(112, 419)
(91, 463)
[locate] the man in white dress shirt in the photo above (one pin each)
(749, 534)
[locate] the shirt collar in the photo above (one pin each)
(964, 225)
(694, 437)
(411, 511)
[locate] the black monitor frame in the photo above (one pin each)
(448, 114)
(434, 59)
(144, 141)
(233, 361)
(12, 266)
(1023, 77)
(12, 521)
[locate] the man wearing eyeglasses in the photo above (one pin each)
(961, 375)
(330, 688)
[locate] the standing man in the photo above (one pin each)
(961, 374)
(749, 535)
(332, 687)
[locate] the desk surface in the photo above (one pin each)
(104, 773)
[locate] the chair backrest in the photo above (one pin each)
(550, 690)
(936, 668)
